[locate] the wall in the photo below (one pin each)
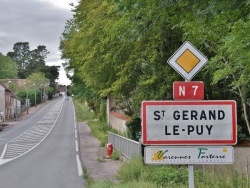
(2, 101)
(115, 118)
(118, 121)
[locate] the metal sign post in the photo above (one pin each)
(187, 60)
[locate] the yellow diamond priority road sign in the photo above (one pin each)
(187, 60)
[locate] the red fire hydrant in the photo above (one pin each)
(109, 150)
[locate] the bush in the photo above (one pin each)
(116, 155)
(131, 170)
(166, 176)
(99, 129)
(134, 128)
(102, 114)
(242, 134)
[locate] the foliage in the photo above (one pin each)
(93, 100)
(20, 55)
(102, 114)
(159, 176)
(134, 128)
(51, 73)
(120, 49)
(116, 155)
(22, 94)
(166, 175)
(82, 111)
(37, 79)
(134, 173)
(99, 129)
(131, 171)
(221, 30)
(8, 67)
(137, 184)
(32, 61)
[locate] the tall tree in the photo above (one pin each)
(21, 55)
(37, 59)
(29, 62)
(221, 29)
(121, 48)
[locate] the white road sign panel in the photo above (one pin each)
(188, 155)
(187, 60)
(189, 122)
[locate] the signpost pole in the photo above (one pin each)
(191, 176)
(190, 170)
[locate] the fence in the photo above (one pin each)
(127, 147)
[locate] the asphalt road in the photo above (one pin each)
(42, 150)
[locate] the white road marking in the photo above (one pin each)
(32, 137)
(75, 134)
(79, 166)
(77, 146)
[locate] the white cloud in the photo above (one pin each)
(60, 3)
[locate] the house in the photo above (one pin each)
(10, 104)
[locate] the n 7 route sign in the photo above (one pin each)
(188, 90)
(189, 122)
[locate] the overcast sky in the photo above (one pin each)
(39, 22)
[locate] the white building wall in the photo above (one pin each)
(2, 102)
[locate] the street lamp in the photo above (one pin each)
(27, 98)
(35, 94)
(41, 93)
(44, 92)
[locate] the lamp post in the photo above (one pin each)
(41, 93)
(35, 94)
(44, 92)
(27, 98)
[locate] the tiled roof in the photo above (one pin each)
(120, 116)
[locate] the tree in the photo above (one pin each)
(37, 60)
(51, 73)
(8, 67)
(21, 55)
(28, 61)
(222, 28)
(38, 82)
(121, 48)
(121, 59)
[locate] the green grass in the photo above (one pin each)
(82, 111)
(99, 129)
(134, 173)
(115, 155)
